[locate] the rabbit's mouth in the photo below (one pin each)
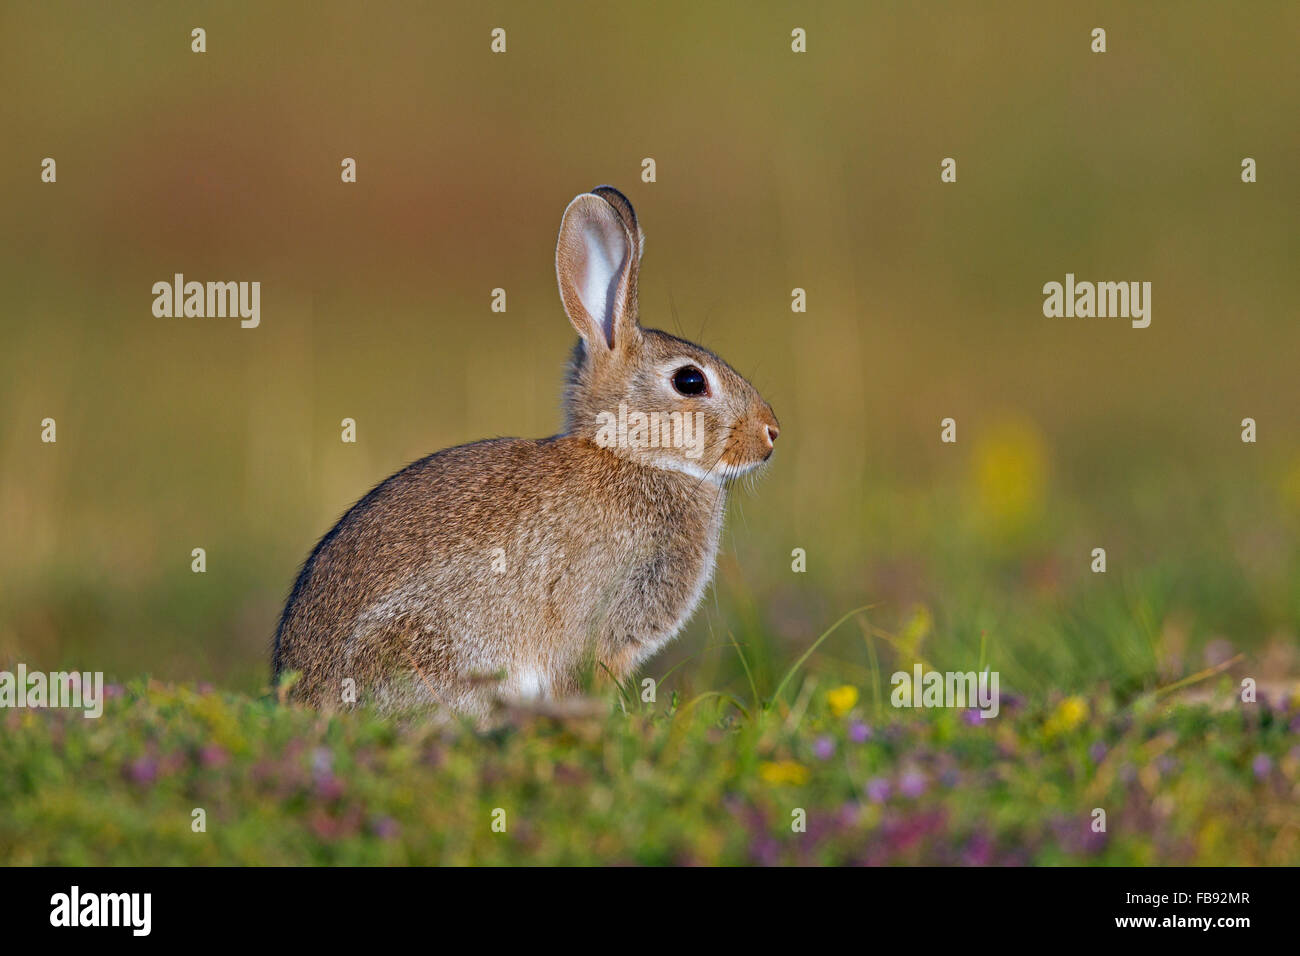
(757, 453)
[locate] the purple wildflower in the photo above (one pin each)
(143, 771)
(322, 762)
(329, 787)
(1262, 766)
(878, 790)
(1092, 842)
(860, 732)
(978, 851)
(912, 783)
(824, 748)
(210, 755)
(765, 851)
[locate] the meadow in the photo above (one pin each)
(178, 775)
(1122, 689)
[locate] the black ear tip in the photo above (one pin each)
(622, 205)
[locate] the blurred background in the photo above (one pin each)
(775, 170)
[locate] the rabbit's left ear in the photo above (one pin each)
(596, 265)
(623, 206)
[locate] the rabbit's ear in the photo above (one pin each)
(623, 206)
(596, 267)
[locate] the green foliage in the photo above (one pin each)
(712, 780)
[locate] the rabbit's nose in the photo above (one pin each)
(772, 432)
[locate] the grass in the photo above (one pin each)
(710, 779)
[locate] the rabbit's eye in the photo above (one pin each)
(689, 380)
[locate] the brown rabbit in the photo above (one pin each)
(505, 568)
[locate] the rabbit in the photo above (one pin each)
(505, 570)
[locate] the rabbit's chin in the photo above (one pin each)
(685, 466)
(731, 472)
(721, 474)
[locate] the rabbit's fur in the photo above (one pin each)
(507, 569)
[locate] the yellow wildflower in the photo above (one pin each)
(1010, 476)
(783, 771)
(842, 699)
(1069, 713)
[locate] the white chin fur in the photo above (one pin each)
(718, 475)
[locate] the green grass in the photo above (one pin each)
(710, 779)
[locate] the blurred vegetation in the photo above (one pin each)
(774, 171)
(684, 781)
